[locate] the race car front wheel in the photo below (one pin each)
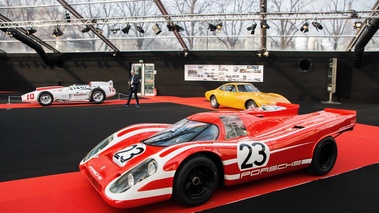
(97, 96)
(324, 157)
(195, 181)
(45, 99)
(214, 102)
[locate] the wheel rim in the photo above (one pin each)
(213, 101)
(45, 99)
(97, 96)
(250, 105)
(326, 158)
(199, 182)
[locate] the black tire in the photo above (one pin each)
(195, 181)
(97, 96)
(214, 102)
(45, 98)
(251, 104)
(324, 157)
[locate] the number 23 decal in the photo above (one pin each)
(128, 153)
(252, 155)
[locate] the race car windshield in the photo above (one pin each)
(184, 131)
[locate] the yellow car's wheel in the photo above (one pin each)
(250, 104)
(214, 102)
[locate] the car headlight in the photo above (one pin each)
(98, 148)
(134, 176)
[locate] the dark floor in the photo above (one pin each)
(43, 141)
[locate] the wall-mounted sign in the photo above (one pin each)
(207, 72)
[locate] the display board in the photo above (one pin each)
(207, 72)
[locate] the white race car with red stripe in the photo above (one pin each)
(94, 91)
(186, 161)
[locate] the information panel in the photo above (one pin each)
(207, 72)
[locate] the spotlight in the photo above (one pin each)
(358, 24)
(31, 31)
(219, 26)
(156, 29)
(139, 29)
(86, 29)
(10, 32)
(126, 29)
(114, 30)
(99, 30)
(305, 27)
(263, 52)
(174, 27)
(212, 27)
(57, 32)
(317, 25)
(252, 28)
(170, 27)
(185, 53)
(68, 18)
(178, 28)
(265, 26)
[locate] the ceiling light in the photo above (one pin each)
(57, 32)
(305, 27)
(10, 32)
(114, 30)
(139, 29)
(317, 25)
(86, 29)
(99, 30)
(358, 24)
(252, 28)
(174, 27)
(219, 26)
(156, 29)
(265, 25)
(67, 15)
(31, 31)
(212, 27)
(126, 29)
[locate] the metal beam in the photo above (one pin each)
(35, 38)
(170, 22)
(92, 28)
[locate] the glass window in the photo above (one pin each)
(234, 126)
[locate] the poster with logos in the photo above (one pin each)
(207, 72)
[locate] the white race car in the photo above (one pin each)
(94, 91)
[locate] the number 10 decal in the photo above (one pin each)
(252, 155)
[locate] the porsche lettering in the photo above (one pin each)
(270, 169)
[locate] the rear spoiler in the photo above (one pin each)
(341, 111)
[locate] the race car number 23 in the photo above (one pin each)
(252, 155)
(128, 153)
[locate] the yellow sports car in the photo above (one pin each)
(241, 96)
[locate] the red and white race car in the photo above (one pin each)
(95, 91)
(186, 161)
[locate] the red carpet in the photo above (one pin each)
(71, 192)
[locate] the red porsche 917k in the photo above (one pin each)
(186, 161)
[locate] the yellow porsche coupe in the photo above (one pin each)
(241, 96)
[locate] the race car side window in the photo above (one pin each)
(234, 126)
(210, 133)
(222, 88)
(241, 88)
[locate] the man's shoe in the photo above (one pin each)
(126, 105)
(137, 105)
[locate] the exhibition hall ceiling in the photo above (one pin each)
(111, 26)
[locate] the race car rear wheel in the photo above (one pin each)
(45, 99)
(195, 181)
(324, 157)
(251, 104)
(97, 96)
(214, 102)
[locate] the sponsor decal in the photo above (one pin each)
(269, 169)
(95, 173)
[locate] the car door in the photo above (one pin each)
(228, 97)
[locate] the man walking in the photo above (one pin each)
(133, 87)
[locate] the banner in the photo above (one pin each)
(207, 72)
